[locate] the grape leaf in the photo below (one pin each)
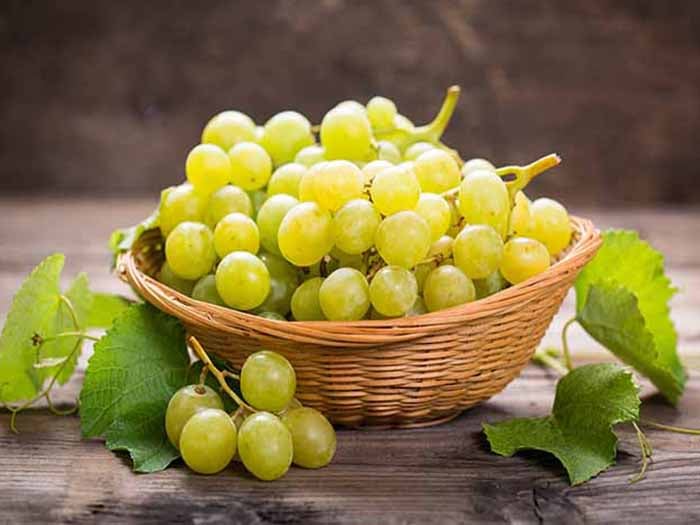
(589, 401)
(105, 308)
(622, 300)
(136, 368)
(122, 239)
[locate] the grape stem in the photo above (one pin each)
(647, 453)
(568, 363)
(544, 358)
(525, 174)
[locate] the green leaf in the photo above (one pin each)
(622, 300)
(122, 239)
(105, 308)
(136, 368)
(589, 401)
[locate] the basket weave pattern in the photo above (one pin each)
(411, 371)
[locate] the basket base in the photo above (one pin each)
(378, 425)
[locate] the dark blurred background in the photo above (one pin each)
(106, 97)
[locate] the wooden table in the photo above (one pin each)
(444, 474)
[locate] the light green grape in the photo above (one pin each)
(352, 105)
(310, 155)
(347, 260)
(436, 212)
(242, 280)
(168, 278)
(257, 198)
(381, 113)
(395, 189)
(455, 218)
(371, 169)
(421, 273)
(208, 441)
(483, 199)
(354, 226)
(416, 150)
(521, 216)
(229, 128)
(208, 168)
(268, 381)
(313, 437)
(403, 122)
(550, 225)
(265, 446)
(284, 279)
(179, 204)
(185, 403)
(305, 234)
(393, 291)
(251, 166)
(442, 248)
(236, 232)
(305, 303)
(270, 217)
(523, 258)
(388, 151)
(478, 250)
(490, 285)
(403, 239)
(447, 286)
(344, 295)
(271, 315)
(205, 290)
(189, 250)
(229, 199)
(286, 179)
(306, 187)
(418, 308)
(336, 182)
(285, 135)
(477, 165)
(346, 134)
(259, 135)
(437, 171)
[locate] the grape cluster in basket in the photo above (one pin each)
(365, 216)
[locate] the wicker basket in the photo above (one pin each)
(414, 371)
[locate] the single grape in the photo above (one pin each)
(403, 122)
(418, 308)
(442, 248)
(271, 315)
(478, 250)
(189, 250)
(403, 239)
(371, 169)
(270, 217)
(313, 437)
(344, 295)
(395, 189)
(393, 291)
(521, 216)
(447, 286)
(236, 233)
(550, 225)
(259, 135)
(208, 441)
(388, 151)
(523, 258)
(437, 171)
(286, 179)
(179, 204)
(310, 155)
(285, 135)
(436, 212)
(265, 446)
(483, 199)
(305, 234)
(305, 303)
(354, 226)
(415, 150)
(340, 259)
(490, 285)
(346, 134)
(421, 273)
(257, 198)
(306, 186)
(229, 199)
(205, 290)
(381, 113)
(477, 165)
(242, 280)
(168, 278)
(283, 281)
(352, 105)
(250, 164)
(208, 168)
(185, 403)
(229, 128)
(336, 182)
(268, 381)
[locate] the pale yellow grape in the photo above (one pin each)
(523, 258)
(447, 286)
(306, 186)
(242, 280)
(381, 112)
(310, 155)
(388, 151)
(259, 135)
(313, 437)
(236, 232)
(285, 135)
(305, 234)
(442, 248)
(393, 291)
(352, 105)
(550, 225)
(346, 134)
(208, 441)
(436, 212)
(354, 226)
(305, 303)
(229, 128)
(257, 198)
(421, 273)
(478, 250)
(403, 122)
(205, 290)
(208, 168)
(415, 150)
(168, 278)
(418, 308)
(344, 295)
(336, 182)
(189, 250)
(403, 239)
(483, 199)
(286, 179)
(347, 260)
(270, 217)
(490, 285)
(179, 204)
(437, 171)
(521, 216)
(477, 165)
(265, 446)
(229, 199)
(395, 189)
(251, 166)
(268, 381)
(185, 403)
(371, 169)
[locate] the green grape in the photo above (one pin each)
(336, 182)
(265, 446)
(251, 166)
(421, 273)
(229, 128)
(388, 151)
(346, 260)
(283, 281)
(179, 204)
(208, 168)
(403, 122)
(478, 250)
(521, 216)
(286, 179)
(381, 113)
(416, 150)
(306, 187)
(442, 248)
(523, 258)
(483, 199)
(352, 105)
(354, 226)
(489, 285)
(436, 212)
(550, 225)
(393, 291)
(346, 134)
(344, 295)
(477, 165)
(310, 155)
(185, 403)
(447, 286)
(305, 303)
(271, 315)
(403, 239)
(418, 308)
(395, 189)
(242, 280)
(205, 290)
(305, 234)
(168, 278)
(257, 199)
(294, 403)
(235, 233)
(268, 381)
(437, 171)
(285, 134)
(189, 250)
(270, 217)
(371, 169)
(208, 441)
(313, 437)
(229, 199)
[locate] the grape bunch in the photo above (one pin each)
(366, 216)
(270, 430)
